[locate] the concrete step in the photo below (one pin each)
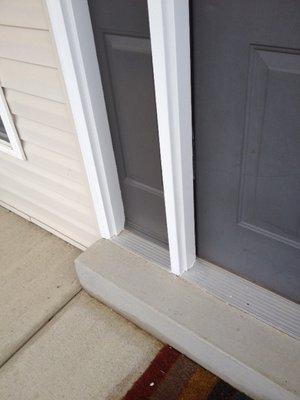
(252, 356)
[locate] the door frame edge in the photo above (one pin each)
(71, 28)
(170, 43)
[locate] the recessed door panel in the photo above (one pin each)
(246, 104)
(270, 184)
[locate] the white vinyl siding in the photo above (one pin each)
(49, 187)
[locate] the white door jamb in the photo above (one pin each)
(170, 43)
(73, 35)
(169, 30)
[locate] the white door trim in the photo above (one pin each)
(169, 29)
(73, 35)
(170, 44)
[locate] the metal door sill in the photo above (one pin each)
(261, 303)
(143, 247)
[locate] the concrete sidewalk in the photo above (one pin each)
(37, 278)
(85, 351)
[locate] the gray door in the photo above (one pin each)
(121, 31)
(246, 104)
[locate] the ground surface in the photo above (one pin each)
(37, 278)
(85, 351)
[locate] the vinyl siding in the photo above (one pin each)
(50, 187)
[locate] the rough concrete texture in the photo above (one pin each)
(85, 352)
(37, 278)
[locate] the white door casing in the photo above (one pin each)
(73, 35)
(169, 32)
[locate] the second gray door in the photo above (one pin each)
(246, 68)
(121, 32)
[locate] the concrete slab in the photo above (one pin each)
(86, 351)
(37, 278)
(252, 356)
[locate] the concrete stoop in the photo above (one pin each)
(254, 357)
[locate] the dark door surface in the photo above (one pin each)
(246, 104)
(121, 31)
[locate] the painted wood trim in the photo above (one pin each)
(14, 147)
(170, 43)
(73, 35)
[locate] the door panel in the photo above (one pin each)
(246, 100)
(123, 45)
(270, 184)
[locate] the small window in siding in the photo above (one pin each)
(9, 139)
(3, 134)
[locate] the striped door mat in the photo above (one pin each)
(172, 376)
